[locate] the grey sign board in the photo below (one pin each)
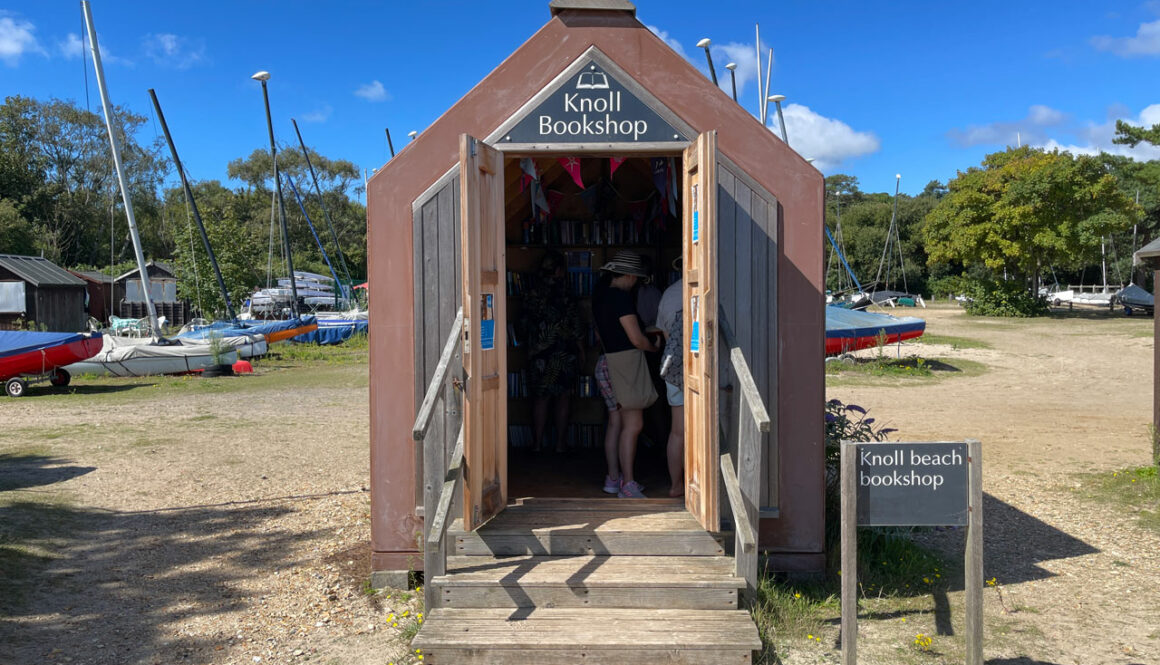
(912, 484)
(593, 107)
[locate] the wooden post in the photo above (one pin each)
(974, 555)
(849, 572)
(434, 466)
(1155, 360)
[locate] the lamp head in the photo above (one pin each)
(776, 99)
(898, 176)
(704, 43)
(261, 76)
(731, 66)
(412, 133)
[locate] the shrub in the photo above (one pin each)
(949, 286)
(1009, 299)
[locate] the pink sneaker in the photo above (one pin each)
(633, 490)
(611, 486)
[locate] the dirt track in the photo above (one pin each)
(227, 521)
(1079, 581)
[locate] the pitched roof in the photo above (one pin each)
(38, 271)
(157, 266)
(1149, 253)
(93, 276)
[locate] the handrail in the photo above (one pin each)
(741, 477)
(746, 536)
(438, 527)
(423, 420)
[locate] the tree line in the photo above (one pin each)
(1024, 217)
(59, 198)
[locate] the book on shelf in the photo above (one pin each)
(577, 435)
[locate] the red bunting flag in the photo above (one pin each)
(614, 163)
(572, 166)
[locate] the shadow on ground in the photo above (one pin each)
(27, 471)
(108, 587)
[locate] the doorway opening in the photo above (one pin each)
(578, 213)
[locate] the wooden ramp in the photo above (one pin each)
(552, 581)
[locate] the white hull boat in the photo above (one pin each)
(128, 356)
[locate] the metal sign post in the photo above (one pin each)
(912, 484)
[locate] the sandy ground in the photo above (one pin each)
(1078, 581)
(227, 521)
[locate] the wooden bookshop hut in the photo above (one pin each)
(593, 138)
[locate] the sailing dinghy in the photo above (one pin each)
(852, 330)
(32, 357)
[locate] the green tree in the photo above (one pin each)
(1127, 134)
(56, 169)
(1027, 209)
(228, 217)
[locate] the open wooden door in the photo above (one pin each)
(699, 253)
(484, 331)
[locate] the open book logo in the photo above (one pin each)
(592, 81)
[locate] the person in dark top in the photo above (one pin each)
(554, 338)
(617, 324)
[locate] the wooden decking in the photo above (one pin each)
(588, 581)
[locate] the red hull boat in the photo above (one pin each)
(41, 355)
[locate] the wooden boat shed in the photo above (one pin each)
(635, 149)
(36, 290)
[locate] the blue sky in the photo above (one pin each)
(873, 88)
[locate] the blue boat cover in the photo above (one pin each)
(231, 328)
(332, 334)
(14, 342)
(852, 323)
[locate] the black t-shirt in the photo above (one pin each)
(608, 305)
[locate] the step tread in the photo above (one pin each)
(592, 571)
(514, 520)
(592, 629)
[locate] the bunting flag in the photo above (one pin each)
(613, 164)
(671, 164)
(572, 166)
(530, 177)
(660, 179)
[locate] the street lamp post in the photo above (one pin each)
(704, 43)
(777, 100)
(264, 76)
(732, 67)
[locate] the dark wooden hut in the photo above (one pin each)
(163, 286)
(101, 295)
(34, 290)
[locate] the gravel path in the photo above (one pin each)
(1078, 581)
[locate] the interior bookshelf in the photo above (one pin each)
(588, 228)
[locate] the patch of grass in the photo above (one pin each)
(355, 350)
(1135, 491)
(893, 571)
(954, 342)
(863, 371)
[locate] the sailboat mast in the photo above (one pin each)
(326, 213)
(193, 205)
(262, 76)
(116, 149)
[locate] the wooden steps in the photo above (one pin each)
(587, 581)
(588, 527)
(696, 582)
(566, 636)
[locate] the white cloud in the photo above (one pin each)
(827, 141)
(319, 115)
(175, 51)
(74, 47)
(1146, 42)
(1092, 138)
(373, 92)
(17, 37)
(1031, 129)
(668, 39)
